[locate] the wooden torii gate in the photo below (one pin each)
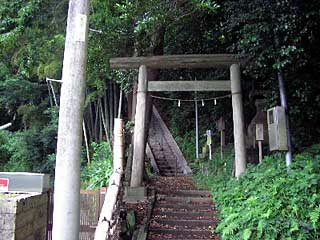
(175, 62)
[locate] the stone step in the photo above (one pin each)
(185, 223)
(170, 170)
(180, 207)
(171, 174)
(184, 199)
(161, 238)
(164, 161)
(178, 233)
(159, 214)
(167, 166)
(187, 193)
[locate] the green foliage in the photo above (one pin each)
(187, 144)
(269, 34)
(31, 48)
(275, 35)
(15, 91)
(27, 150)
(269, 201)
(206, 169)
(99, 171)
(22, 152)
(4, 154)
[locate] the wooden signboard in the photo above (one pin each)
(221, 124)
(259, 132)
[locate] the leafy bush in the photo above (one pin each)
(98, 172)
(207, 169)
(22, 154)
(4, 154)
(187, 144)
(30, 150)
(269, 201)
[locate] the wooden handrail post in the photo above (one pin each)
(139, 129)
(238, 120)
(118, 145)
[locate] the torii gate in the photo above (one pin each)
(175, 62)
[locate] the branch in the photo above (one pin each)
(5, 126)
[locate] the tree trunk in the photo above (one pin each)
(157, 43)
(284, 104)
(281, 83)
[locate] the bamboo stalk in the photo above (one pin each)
(95, 130)
(105, 127)
(120, 103)
(5, 126)
(86, 141)
(90, 119)
(106, 112)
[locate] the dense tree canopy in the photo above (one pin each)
(270, 35)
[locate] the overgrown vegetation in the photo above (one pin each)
(273, 36)
(269, 201)
(98, 172)
(32, 42)
(30, 149)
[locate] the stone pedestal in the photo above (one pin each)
(135, 194)
(23, 216)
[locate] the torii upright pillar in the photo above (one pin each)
(238, 120)
(139, 129)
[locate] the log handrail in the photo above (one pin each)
(106, 221)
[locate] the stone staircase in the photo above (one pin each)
(181, 211)
(165, 155)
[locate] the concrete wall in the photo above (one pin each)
(23, 216)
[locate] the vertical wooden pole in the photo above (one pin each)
(197, 129)
(222, 143)
(118, 154)
(260, 151)
(238, 120)
(66, 214)
(139, 129)
(134, 101)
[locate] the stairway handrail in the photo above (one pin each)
(173, 145)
